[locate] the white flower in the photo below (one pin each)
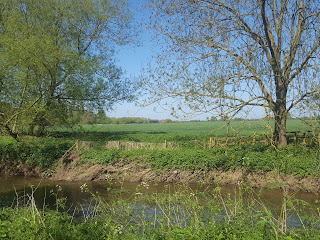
(84, 188)
(59, 188)
(145, 184)
(118, 229)
(107, 176)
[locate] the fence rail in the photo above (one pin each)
(299, 137)
(295, 137)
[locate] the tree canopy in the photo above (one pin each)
(231, 56)
(57, 57)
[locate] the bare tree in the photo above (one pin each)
(236, 55)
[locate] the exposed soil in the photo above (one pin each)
(8, 168)
(69, 169)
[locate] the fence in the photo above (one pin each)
(297, 137)
(301, 138)
(140, 145)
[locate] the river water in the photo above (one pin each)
(18, 190)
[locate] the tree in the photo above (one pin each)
(230, 56)
(57, 57)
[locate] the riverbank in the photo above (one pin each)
(70, 169)
(295, 167)
(167, 213)
(73, 168)
(179, 216)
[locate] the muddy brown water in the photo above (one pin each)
(17, 191)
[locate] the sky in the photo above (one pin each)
(132, 59)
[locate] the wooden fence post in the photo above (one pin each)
(77, 144)
(269, 138)
(165, 144)
(213, 142)
(254, 139)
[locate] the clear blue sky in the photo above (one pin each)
(131, 59)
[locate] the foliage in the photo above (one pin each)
(57, 58)
(236, 57)
(164, 215)
(43, 152)
(102, 156)
(297, 160)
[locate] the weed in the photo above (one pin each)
(182, 214)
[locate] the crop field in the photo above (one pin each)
(175, 132)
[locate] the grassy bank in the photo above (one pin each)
(44, 152)
(180, 215)
(297, 160)
(41, 152)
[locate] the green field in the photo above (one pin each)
(175, 132)
(191, 153)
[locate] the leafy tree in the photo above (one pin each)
(231, 56)
(101, 117)
(57, 57)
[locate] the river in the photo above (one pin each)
(17, 191)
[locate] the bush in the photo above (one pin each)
(41, 152)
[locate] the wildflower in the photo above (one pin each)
(84, 188)
(59, 188)
(107, 177)
(145, 184)
(118, 229)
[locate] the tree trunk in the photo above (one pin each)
(280, 114)
(11, 132)
(280, 128)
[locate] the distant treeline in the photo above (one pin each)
(89, 117)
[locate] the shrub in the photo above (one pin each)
(41, 152)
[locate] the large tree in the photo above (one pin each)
(229, 56)
(57, 56)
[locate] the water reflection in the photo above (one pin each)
(17, 191)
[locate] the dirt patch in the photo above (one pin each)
(9, 168)
(69, 169)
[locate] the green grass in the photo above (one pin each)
(42, 152)
(179, 215)
(299, 161)
(174, 132)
